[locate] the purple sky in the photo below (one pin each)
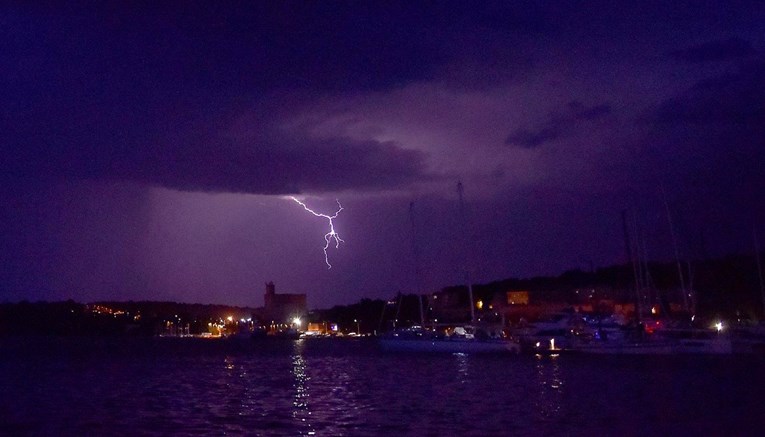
(149, 152)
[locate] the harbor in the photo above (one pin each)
(382, 218)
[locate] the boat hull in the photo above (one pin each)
(448, 345)
(623, 348)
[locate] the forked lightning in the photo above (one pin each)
(329, 236)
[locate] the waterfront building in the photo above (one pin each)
(283, 307)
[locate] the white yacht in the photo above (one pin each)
(461, 340)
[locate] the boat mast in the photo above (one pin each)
(649, 292)
(628, 248)
(416, 263)
(641, 261)
(677, 253)
(460, 191)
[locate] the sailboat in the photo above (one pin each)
(665, 338)
(461, 339)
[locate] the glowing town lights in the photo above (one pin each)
(479, 304)
(329, 236)
(296, 321)
(230, 318)
(719, 326)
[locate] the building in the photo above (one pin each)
(283, 308)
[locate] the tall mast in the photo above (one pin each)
(416, 254)
(460, 191)
(677, 253)
(628, 248)
(648, 293)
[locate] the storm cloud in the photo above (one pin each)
(715, 51)
(90, 97)
(269, 165)
(557, 125)
(737, 97)
(145, 150)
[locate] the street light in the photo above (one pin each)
(358, 331)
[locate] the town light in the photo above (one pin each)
(296, 321)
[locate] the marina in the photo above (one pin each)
(382, 218)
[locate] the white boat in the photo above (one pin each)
(421, 340)
(697, 341)
(462, 339)
(624, 347)
(668, 341)
(551, 334)
(449, 346)
(622, 341)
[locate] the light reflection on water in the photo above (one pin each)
(301, 411)
(463, 369)
(550, 387)
(337, 388)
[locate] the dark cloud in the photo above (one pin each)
(580, 112)
(272, 163)
(731, 98)
(317, 97)
(713, 51)
(527, 139)
(120, 92)
(113, 93)
(259, 46)
(707, 146)
(557, 125)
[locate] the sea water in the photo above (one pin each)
(340, 387)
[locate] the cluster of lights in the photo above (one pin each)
(99, 309)
(102, 310)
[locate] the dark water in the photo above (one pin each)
(164, 386)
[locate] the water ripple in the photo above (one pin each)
(349, 388)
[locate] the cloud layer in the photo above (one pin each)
(555, 116)
(715, 51)
(557, 125)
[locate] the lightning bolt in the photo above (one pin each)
(329, 236)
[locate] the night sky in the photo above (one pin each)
(148, 152)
